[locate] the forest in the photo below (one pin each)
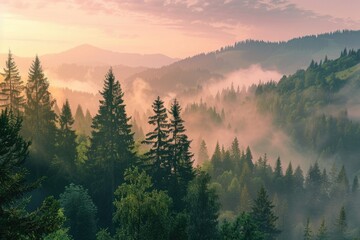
(65, 176)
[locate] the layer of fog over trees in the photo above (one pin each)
(218, 146)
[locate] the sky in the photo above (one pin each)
(177, 28)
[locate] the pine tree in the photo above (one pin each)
(181, 159)
(112, 144)
(79, 123)
(15, 221)
(263, 214)
(12, 87)
(289, 179)
(307, 231)
(203, 155)
(340, 225)
(40, 119)
(355, 185)
(158, 155)
(66, 153)
(235, 150)
(322, 232)
(249, 158)
(216, 160)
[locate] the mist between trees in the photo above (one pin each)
(110, 181)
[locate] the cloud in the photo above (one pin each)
(207, 18)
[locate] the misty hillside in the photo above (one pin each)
(284, 57)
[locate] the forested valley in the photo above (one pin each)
(77, 176)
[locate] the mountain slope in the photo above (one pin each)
(285, 57)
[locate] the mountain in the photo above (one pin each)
(93, 56)
(284, 57)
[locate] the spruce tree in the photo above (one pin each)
(40, 119)
(202, 209)
(15, 221)
(263, 214)
(157, 158)
(216, 160)
(322, 232)
(12, 87)
(111, 150)
(66, 154)
(181, 159)
(203, 155)
(340, 225)
(79, 120)
(307, 231)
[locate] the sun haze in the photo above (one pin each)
(178, 28)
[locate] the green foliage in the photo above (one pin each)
(111, 150)
(61, 234)
(66, 153)
(307, 231)
(103, 234)
(15, 221)
(141, 212)
(263, 215)
(40, 119)
(202, 209)
(322, 232)
(158, 156)
(80, 212)
(203, 155)
(181, 159)
(243, 228)
(12, 87)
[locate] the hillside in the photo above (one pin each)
(284, 57)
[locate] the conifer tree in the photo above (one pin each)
(202, 209)
(15, 221)
(249, 158)
(157, 158)
(12, 87)
(181, 159)
(355, 185)
(307, 231)
(66, 142)
(40, 119)
(322, 233)
(216, 160)
(112, 144)
(340, 225)
(263, 214)
(203, 155)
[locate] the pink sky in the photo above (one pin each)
(177, 28)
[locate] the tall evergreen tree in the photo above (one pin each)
(263, 214)
(202, 209)
(307, 231)
(216, 160)
(12, 87)
(66, 153)
(40, 119)
(203, 155)
(15, 221)
(181, 159)
(157, 158)
(322, 233)
(340, 225)
(112, 144)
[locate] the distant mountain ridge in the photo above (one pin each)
(93, 56)
(285, 57)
